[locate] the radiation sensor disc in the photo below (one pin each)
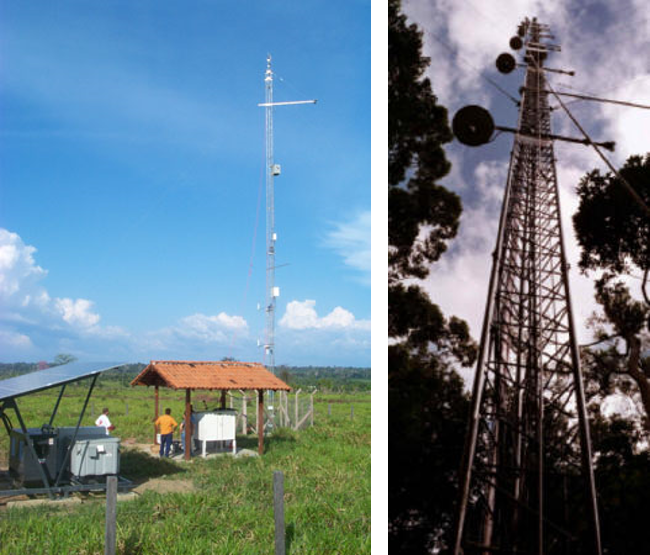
(516, 43)
(506, 63)
(473, 125)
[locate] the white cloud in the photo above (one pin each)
(28, 310)
(630, 126)
(18, 270)
(458, 282)
(464, 39)
(351, 240)
(35, 325)
(15, 340)
(338, 337)
(77, 312)
(192, 335)
(301, 315)
(211, 328)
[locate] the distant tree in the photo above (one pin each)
(422, 216)
(427, 420)
(285, 376)
(623, 480)
(8, 370)
(228, 359)
(614, 234)
(427, 405)
(63, 358)
(612, 229)
(325, 384)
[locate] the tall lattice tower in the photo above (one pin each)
(272, 171)
(527, 481)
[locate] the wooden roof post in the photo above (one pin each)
(223, 398)
(260, 422)
(188, 425)
(156, 414)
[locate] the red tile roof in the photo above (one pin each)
(182, 374)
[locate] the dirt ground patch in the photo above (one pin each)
(161, 485)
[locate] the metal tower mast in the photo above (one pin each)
(527, 480)
(272, 170)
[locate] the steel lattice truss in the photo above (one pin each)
(527, 484)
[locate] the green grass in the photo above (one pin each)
(326, 478)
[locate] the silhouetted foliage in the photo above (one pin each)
(614, 234)
(427, 404)
(612, 229)
(417, 129)
(623, 482)
(427, 410)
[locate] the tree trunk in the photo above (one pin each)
(634, 369)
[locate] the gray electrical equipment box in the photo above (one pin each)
(95, 457)
(23, 466)
(94, 453)
(275, 168)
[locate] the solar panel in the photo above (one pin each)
(51, 377)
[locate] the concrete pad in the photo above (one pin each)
(63, 502)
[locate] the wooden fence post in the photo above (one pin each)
(260, 422)
(351, 412)
(156, 414)
(329, 409)
(278, 511)
(244, 413)
(311, 409)
(111, 515)
(127, 408)
(283, 403)
(295, 426)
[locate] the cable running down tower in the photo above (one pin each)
(527, 481)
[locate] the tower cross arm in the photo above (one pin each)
(287, 103)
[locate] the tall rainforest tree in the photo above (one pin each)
(614, 234)
(427, 405)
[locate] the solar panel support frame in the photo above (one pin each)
(51, 485)
(76, 431)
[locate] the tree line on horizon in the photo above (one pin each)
(323, 378)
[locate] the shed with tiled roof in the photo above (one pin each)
(209, 375)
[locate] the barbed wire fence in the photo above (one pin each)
(293, 410)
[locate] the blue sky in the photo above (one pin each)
(606, 47)
(131, 164)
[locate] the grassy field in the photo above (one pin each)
(226, 504)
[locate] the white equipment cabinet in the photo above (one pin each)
(217, 425)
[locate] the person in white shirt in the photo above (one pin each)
(103, 420)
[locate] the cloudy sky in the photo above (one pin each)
(606, 44)
(132, 218)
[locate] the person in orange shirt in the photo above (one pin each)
(165, 425)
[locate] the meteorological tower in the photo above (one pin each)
(272, 170)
